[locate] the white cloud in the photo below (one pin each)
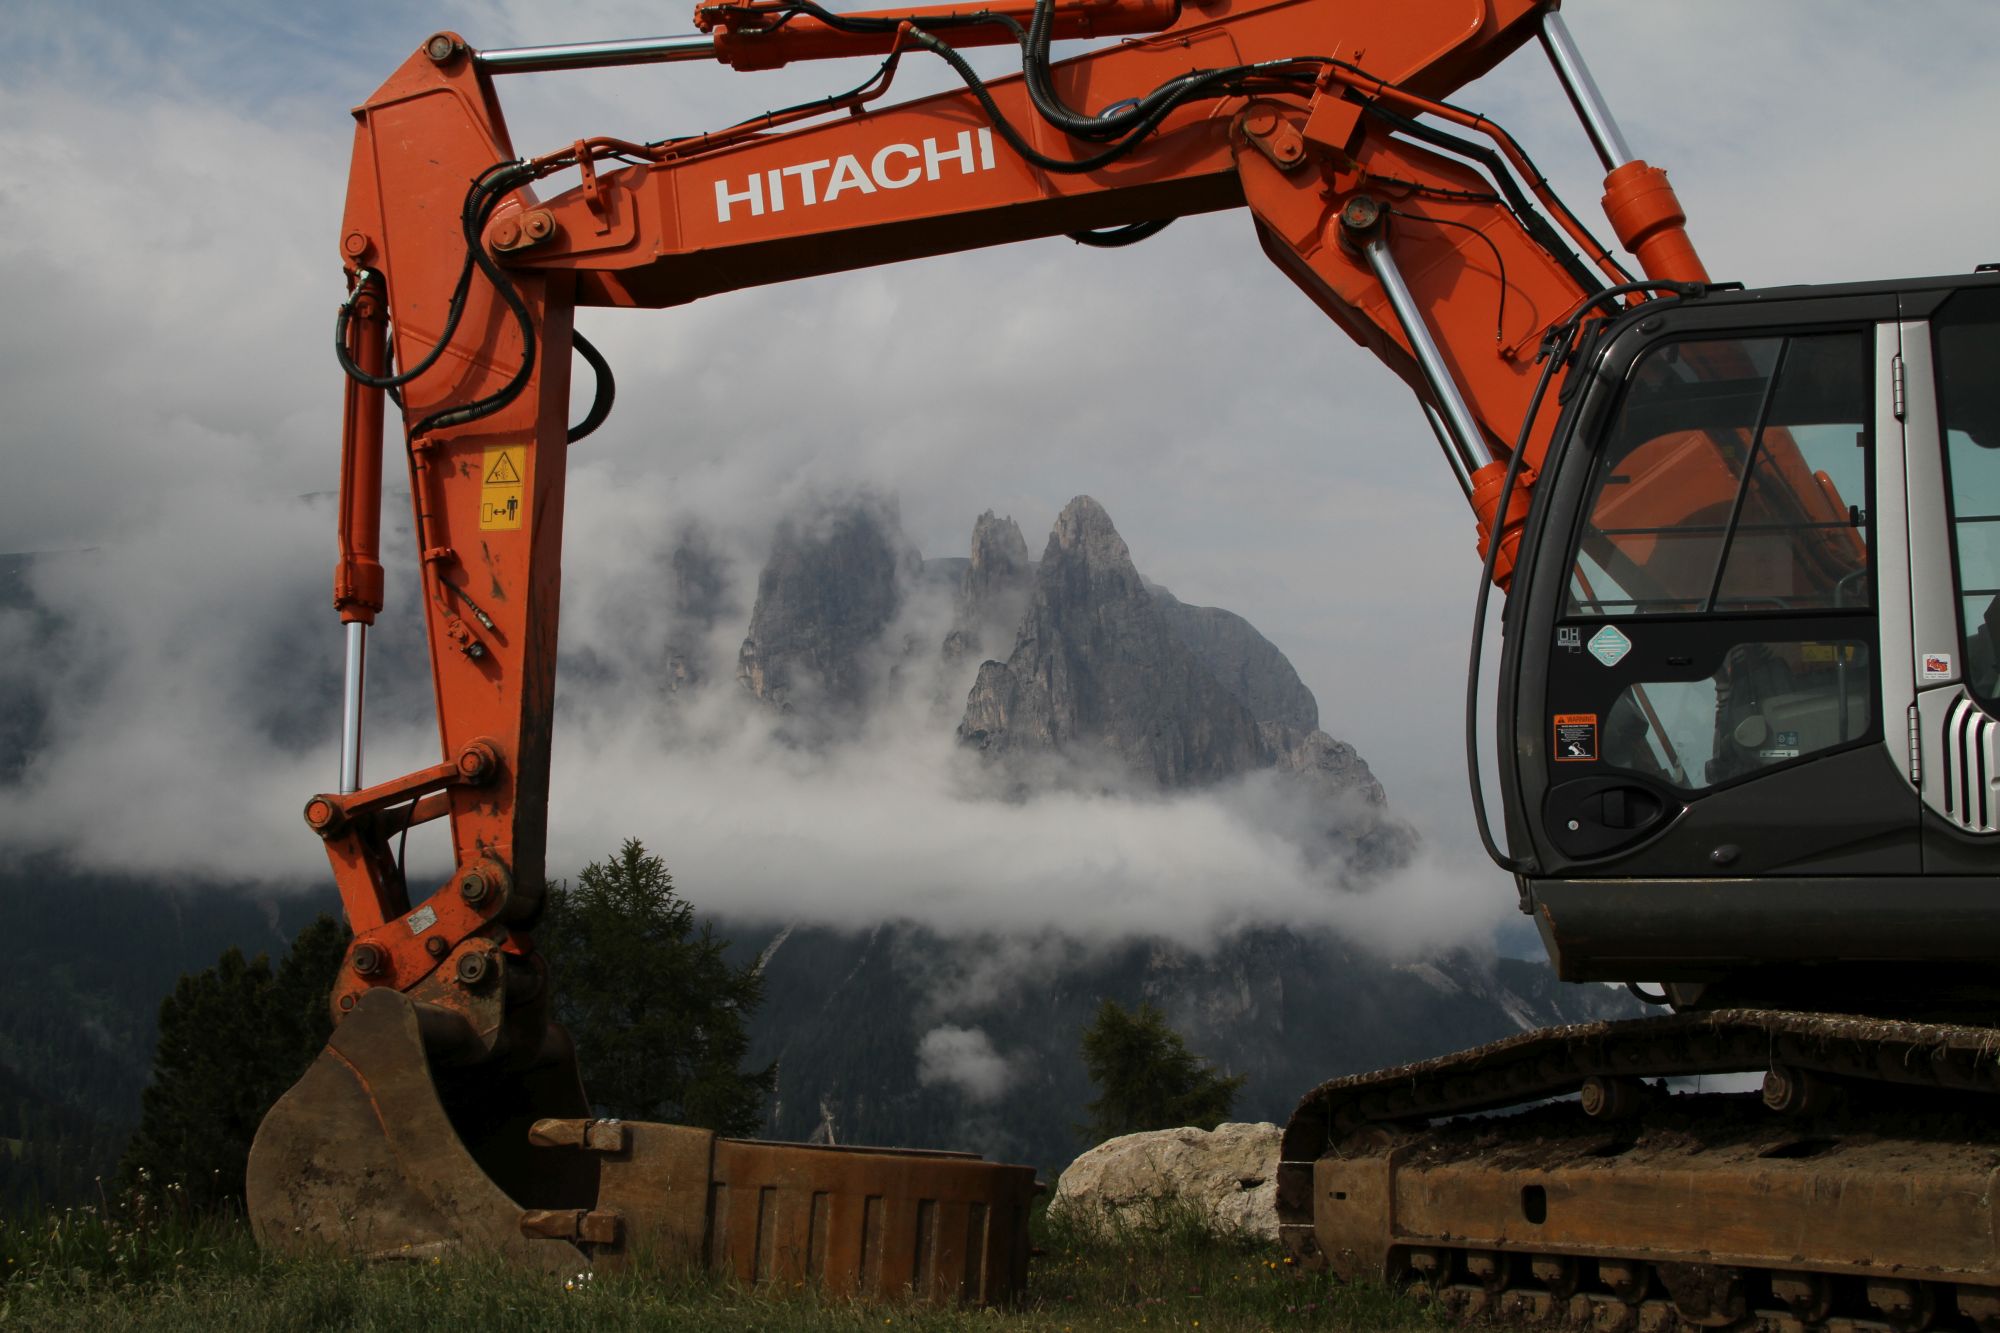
(963, 1058)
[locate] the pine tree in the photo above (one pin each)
(232, 1039)
(656, 1010)
(1147, 1078)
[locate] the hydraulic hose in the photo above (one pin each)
(607, 388)
(1110, 238)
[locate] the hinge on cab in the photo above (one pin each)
(1896, 380)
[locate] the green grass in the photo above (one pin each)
(139, 1265)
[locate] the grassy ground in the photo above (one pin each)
(144, 1267)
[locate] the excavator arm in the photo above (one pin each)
(1423, 230)
(1304, 111)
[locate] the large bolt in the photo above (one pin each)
(479, 761)
(472, 887)
(1360, 216)
(474, 968)
(441, 47)
(324, 817)
(368, 960)
(538, 225)
(436, 947)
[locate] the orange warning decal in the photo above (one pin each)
(1576, 737)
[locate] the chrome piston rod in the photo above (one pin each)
(594, 55)
(1444, 439)
(353, 679)
(1591, 108)
(1469, 451)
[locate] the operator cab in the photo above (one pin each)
(1750, 683)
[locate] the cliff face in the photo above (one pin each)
(993, 590)
(1183, 696)
(1246, 663)
(1103, 664)
(699, 602)
(829, 590)
(1096, 662)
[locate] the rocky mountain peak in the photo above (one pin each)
(1084, 544)
(1185, 695)
(999, 552)
(1096, 664)
(1246, 662)
(827, 593)
(993, 589)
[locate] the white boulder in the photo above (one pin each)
(1230, 1173)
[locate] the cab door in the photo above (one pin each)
(1710, 701)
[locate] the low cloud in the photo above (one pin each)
(190, 710)
(963, 1058)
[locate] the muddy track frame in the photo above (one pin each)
(1855, 1193)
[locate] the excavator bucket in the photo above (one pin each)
(382, 1150)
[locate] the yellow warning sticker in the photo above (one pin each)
(500, 469)
(502, 493)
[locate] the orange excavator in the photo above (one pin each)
(1745, 728)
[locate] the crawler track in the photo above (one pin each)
(1856, 1193)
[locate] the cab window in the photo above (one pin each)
(1734, 479)
(1719, 615)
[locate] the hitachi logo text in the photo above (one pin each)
(893, 167)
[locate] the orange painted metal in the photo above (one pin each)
(357, 579)
(1405, 99)
(1487, 484)
(763, 35)
(1647, 217)
(1453, 245)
